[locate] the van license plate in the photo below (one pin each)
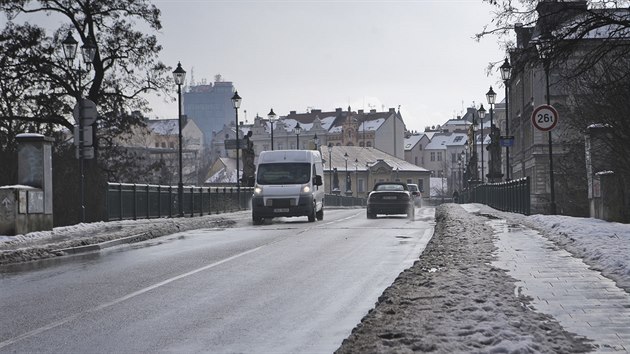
(281, 210)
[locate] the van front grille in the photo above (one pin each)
(281, 203)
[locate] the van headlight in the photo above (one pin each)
(306, 189)
(258, 190)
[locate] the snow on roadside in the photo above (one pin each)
(453, 300)
(603, 245)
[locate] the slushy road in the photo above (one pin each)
(287, 286)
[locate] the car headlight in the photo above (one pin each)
(258, 190)
(306, 188)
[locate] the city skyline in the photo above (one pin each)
(419, 56)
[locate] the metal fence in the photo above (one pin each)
(340, 200)
(512, 196)
(139, 201)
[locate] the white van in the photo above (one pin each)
(288, 183)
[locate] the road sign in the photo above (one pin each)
(506, 141)
(88, 152)
(545, 117)
(87, 136)
(87, 109)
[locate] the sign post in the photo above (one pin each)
(545, 118)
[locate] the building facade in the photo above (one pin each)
(209, 106)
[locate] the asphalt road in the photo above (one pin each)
(285, 287)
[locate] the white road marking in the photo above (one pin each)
(121, 299)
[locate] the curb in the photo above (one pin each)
(101, 245)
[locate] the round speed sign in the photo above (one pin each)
(545, 117)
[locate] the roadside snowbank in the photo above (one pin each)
(453, 300)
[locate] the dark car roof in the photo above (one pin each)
(404, 185)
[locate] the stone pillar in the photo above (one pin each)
(35, 165)
(28, 206)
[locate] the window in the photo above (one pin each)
(421, 184)
(157, 145)
(453, 157)
(432, 156)
(163, 144)
(360, 187)
(415, 159)
(171, 145)
(369, 144)
(439, 156)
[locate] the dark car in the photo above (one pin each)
(390, 198)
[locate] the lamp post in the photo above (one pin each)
(179, 75)
(88, 51)
(272, 119)
(298, 130)
(367, 178)
(491, 96)
(330, 174)
(544, 46)
(316, 142)
(345, 156)
(506, 73)
(459, 164)
(356, 175)
(236, 102)
(473, 153)
(482, 115)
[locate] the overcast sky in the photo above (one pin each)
(292, 55)
(288, 55)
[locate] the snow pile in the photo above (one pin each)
(454, 300)
(47, 244)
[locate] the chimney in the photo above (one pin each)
(315, 111)
(372, 110)
(291, 113)
(360, 111)
(338, 110)
(392, 110)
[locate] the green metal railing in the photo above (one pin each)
(512, 196)
(145, 201)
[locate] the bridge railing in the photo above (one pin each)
(340, 200)
(512, 196)
(144, 201)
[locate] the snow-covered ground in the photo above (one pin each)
(605, 246)
(454, 300)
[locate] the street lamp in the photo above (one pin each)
(330, 175)
(544, 47)
(88, 49)
(491, 96)
(236, 102)
(506, 74)
(297, 130)
(272, 118)
(179, 75)
(345, 156)
(316, 141)
(482, 115)
(356, 175)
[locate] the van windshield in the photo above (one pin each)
(284, 173)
